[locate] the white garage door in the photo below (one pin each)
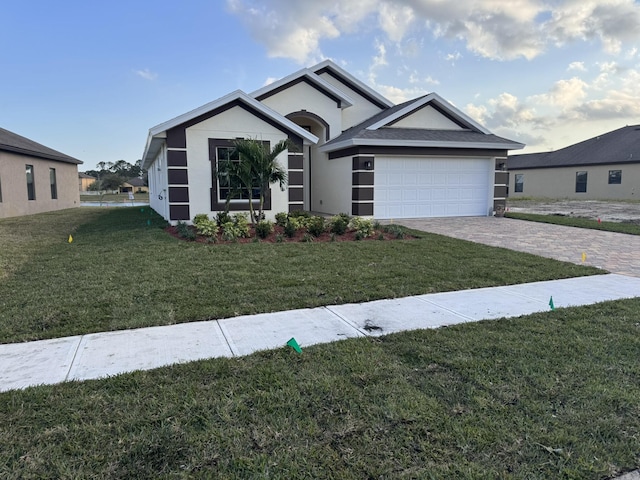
(432, 187)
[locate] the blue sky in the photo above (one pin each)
(90, 78)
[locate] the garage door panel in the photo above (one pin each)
(431, 187)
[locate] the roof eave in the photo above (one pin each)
(355, 142)
(45, 156)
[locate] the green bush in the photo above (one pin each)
(299, 214)
(264, 228)
(290, 228)
(242, 224)
(315, 226)
(396, 230)
(362, 226)
(201, 217)
(222, 218)
(281, 219)
(307, 237)
(338, 225)
(230, 232)
(185, 231)
(206, 227)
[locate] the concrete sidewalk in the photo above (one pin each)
(110, 353)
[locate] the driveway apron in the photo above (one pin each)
(614, 252)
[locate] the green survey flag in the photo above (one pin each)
(551, 304)
(293, 344)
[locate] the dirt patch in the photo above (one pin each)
(607, 211)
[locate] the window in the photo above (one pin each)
(0, 190)
(53, 183)
(615, 177)
(31, 186)
(581, 182)
(230, 185)
(519, 182)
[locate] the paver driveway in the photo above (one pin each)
(615, 252)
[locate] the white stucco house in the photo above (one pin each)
(357, 152)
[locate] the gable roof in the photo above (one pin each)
(84, 175)
(617, 146)
(304, 75)
(352, 82)
(157, 134)
(376, 131)
(12, 142)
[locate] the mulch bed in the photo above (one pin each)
(278, 236)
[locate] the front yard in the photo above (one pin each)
(550, 395)
(123, 271)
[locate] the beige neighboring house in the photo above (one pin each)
(135, 185)
(602, 167)
(35, 178)
(85, 181)
(356, 152)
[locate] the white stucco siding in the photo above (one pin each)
(357, 113)
(427, 117)
(331, 185)
(231, 124)
(303, 96)
(561, 182)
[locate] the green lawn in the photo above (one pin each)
(546, 396)
(618, 227)
(550, 395)
(123, 271)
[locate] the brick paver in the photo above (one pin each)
(614, 252)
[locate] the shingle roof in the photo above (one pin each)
(136, 182)
(618, 146)
(12, 142)
(84, 175)
(468, 135)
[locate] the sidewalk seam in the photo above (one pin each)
(73, 360)
(224, 335)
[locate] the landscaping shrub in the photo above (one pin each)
(222, 218)
(185, 231)
(362, 226)
(338, 224)
(206, 227)
(230, 231)
(290, 228)
(396, 230)
(201, 217)
(281, 219)
(315, 226)
(242, 224)
(264, 228)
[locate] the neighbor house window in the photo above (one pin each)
(519, 182)
(31, 186)
(53, 183)
(0, 190)
(230, 186)
(615, 177)
(581, 182)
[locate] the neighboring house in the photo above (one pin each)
(84, 181)
(356, 152)
(135, 185)
(603, 167)
(35, 178)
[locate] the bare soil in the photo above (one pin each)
(605, 210)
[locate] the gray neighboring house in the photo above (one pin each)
(602, 167)
(35, 178)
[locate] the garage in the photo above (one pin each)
(410, 187)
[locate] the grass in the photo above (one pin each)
(114, 197)
(550, 395)
(618, 227)
(123, 271)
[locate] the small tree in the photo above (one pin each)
(256, 169)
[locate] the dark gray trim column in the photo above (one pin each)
(178, 183)
(295, 175)
(362, 185)
(500, 184)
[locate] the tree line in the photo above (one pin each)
(110, 175)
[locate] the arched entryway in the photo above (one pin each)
(320, 128)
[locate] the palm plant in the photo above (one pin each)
(256, 170)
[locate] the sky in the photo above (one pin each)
(91, 78)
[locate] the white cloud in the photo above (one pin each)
(494, 29)
(577, 66)
(146, 74)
